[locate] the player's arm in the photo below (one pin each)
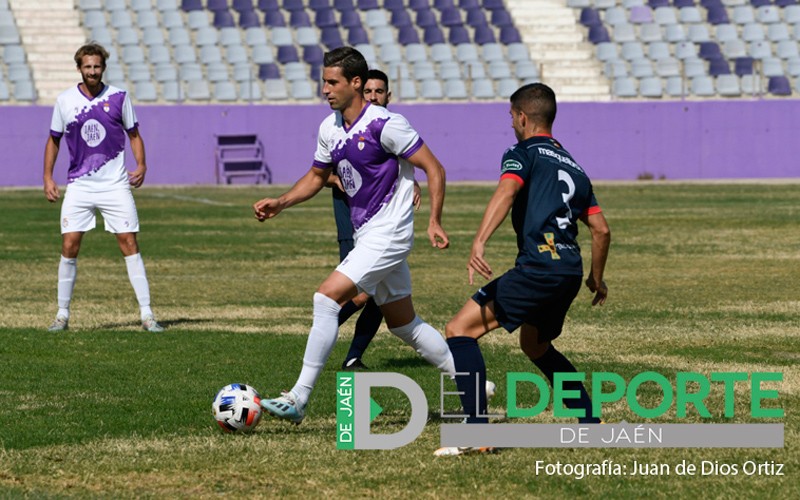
(308, 185)
(496, 211)
(425, 160)
(601, 241)
(136, 178)
(50, 154)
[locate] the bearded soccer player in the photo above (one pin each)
(94, 118)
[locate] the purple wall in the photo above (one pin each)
(677, 140)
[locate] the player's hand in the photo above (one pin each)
(477, 264)
(438, 236)
(417, 195)
(267, 208)
(136, 178)
(600, 291)
(51, 190)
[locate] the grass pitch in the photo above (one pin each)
(703, 278)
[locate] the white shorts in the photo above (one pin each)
(378, 267)
(117, 208)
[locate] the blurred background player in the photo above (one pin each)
(377, 92)
(94, 118)
(364, 144)
(548, 192)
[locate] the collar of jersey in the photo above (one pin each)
(344, 125)
(90, 98)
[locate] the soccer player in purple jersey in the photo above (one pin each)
(365, 143)
(547, 193)
(94, 119)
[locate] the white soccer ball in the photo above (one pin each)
(237, 408)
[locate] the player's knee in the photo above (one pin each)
(453, 329)
(533, 350)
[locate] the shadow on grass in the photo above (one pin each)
(166, 324)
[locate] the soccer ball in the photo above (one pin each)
(237, 408)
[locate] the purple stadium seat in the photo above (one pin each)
(416, 5)
(779, 85)
(458, 35)
(357, 35)
(274, 19)
(484, 35)
(451, 16)
(325, 18)
(299, 19)
(476, 17)
(785, 3)
(343, 5)
(263, 5)
(407, 35)
(433, 34)
(426, 18)
(394, 5)
(350, 19)
(717, 14)
(190, 5)
(639, 14)
(598, 34)
(443, 4)
(319, 4)
(710, 50)
(683, 3)
(223, 19)
(658, 3)
(400, 18)
(590, 17)
(316, 72)
(718, 66)
(269, 72)
(293, 4)
(501, 18)
(287, 54)
(331, 37)
(509, 35)
(242, 5)
(468, 4)
(367, 4)
(760, 3)
(709, 3)
(743, 66)
(216, 5)
(249, 19)
(313, 54)
(493, 4)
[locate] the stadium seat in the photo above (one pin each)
(703, 86)
(779, 85)
(476, 17)
(743, 66)
(299, 18)
(668, 67)
(225, 91)
(615, 69)
(165, 72)
(433, 35)
(717, 14)
(457, 35)
(197, 19)
(251, 91)
(331, 38)
(484, 35)
(357, 36)
(4, 94)
(728, 86)
(718, 66)
(223, 19)
(639, 14)
(526, 70)
(216, 5)
(787, 49)
(206, 36)
(482, 89)
(510, 35)
(607, 51)
(693, 67)
(172, 91)
(642, 68)
(650, 32)
(590, 17)
(674, 33)
(753, 32)
(744, 14)
(145, 91)
(416, 52)
(651, 87)
(24, 90)
(699, 33)
(760, 50)
(492, 52)
(624, 86)
(518, 52)
(302, 90)
(179, 36)
(455, 89)
(158, 54)
(274, 19)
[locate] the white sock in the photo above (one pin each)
(67, 271)
(428, 342)
(138, 279)
(321, 339)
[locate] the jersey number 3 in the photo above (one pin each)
(564, 177)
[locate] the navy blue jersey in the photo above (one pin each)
(555, 193)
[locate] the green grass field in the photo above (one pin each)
(702, 277)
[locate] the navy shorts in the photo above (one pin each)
(540, 300)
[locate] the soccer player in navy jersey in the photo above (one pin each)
(547, 193)
(94, 118)
(377, 92)
(364, 144)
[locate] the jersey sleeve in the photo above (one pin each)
(57, 124)
(514, 166)
(594, 207)
(128, 115)
(399, 138)
(322, 156)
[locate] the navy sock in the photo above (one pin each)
(553, 361)
(468, 359)
(347, 310)
(366, 327)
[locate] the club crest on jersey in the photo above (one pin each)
(361, 143)
(106, 106)
(549, 238)
(511, 165)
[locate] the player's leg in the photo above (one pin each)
(336, 289)
(366, 327)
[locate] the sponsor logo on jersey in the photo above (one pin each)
(93, 132)
(511, 165)
(560, 158)
(549, 238)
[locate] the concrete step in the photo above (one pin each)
(560, 72)
(552, 37)
(37, 22)
(45, 42)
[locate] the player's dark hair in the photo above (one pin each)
(350, 60)
(376, 74)
(91, 49)
(537, 101)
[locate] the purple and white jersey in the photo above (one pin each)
(95, 131)
(367, 158)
